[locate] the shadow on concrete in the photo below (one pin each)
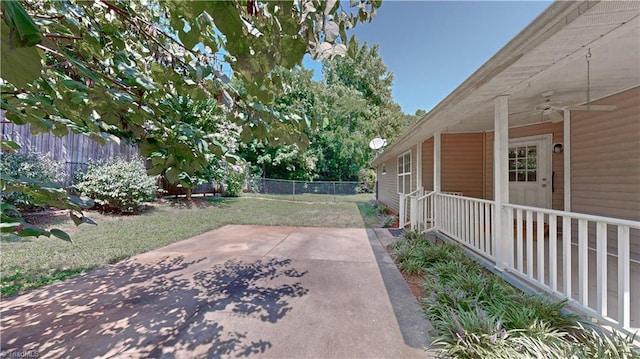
(411, 320)
(151, 310)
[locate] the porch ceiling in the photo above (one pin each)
(548, 55)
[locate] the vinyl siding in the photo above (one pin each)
(427, 164)
(605, 158)
(557, 159)
(388, 183)
(605, 163)
(462, 164)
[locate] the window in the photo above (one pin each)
(404, 173)
(523, 164)
(384, 169)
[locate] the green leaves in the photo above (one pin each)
(118, 70)
(20, 23)
(18, 65)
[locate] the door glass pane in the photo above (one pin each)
(512, 153)
(531, 176)
(512, 165)
(512, 176)
(407, 184)
(522, 176)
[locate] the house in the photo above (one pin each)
(533, 162)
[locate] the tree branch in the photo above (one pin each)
(67, 37)
(127, 18)
(104, 76)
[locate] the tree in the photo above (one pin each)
(351, 107)
(289, 160)
(186, 160)
(358, 107)
(109, 69)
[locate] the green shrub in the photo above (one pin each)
(476, 314)
(366, 180)
(381, 208)
(34, 165)
(389, 221)
(234, 182)
(118, 185)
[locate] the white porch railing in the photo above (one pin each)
(584, 258)
(563, 252)
(467, 220)
(422, 211)
(405, 208)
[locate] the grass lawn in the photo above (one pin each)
(314, 197)
(33, 262)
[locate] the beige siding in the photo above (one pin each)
(388, 192)
(414, 168)
(605, 158)
(462, 164)
(387, 184)
(557, 160)
(427, 164)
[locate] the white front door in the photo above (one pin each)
(530, 171)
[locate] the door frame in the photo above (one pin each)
(545, 142)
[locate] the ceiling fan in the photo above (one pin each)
(554, 110)
(548, 108)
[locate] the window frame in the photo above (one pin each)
(402, 175)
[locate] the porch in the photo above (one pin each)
(584, 258)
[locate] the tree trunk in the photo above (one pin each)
(188, 190)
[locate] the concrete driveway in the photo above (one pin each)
(278, 292)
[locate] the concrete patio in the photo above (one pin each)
(279, 292)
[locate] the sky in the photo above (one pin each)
(431, 47)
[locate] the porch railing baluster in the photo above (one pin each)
(601, 268)
(624, 273)
(470, 222)
(540, 239)
(583, 262)
(553, 252)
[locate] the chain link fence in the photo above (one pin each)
(307, 191)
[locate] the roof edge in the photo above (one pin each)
(548, 23)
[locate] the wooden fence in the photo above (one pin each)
(73, 149)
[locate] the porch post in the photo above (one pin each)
(417, 213)
(567, 159)
(503, 244)
(435, 212)
(436, 162)
(419, 166)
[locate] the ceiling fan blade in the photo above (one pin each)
(522, 115)
(593, 108)
(556, 117)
